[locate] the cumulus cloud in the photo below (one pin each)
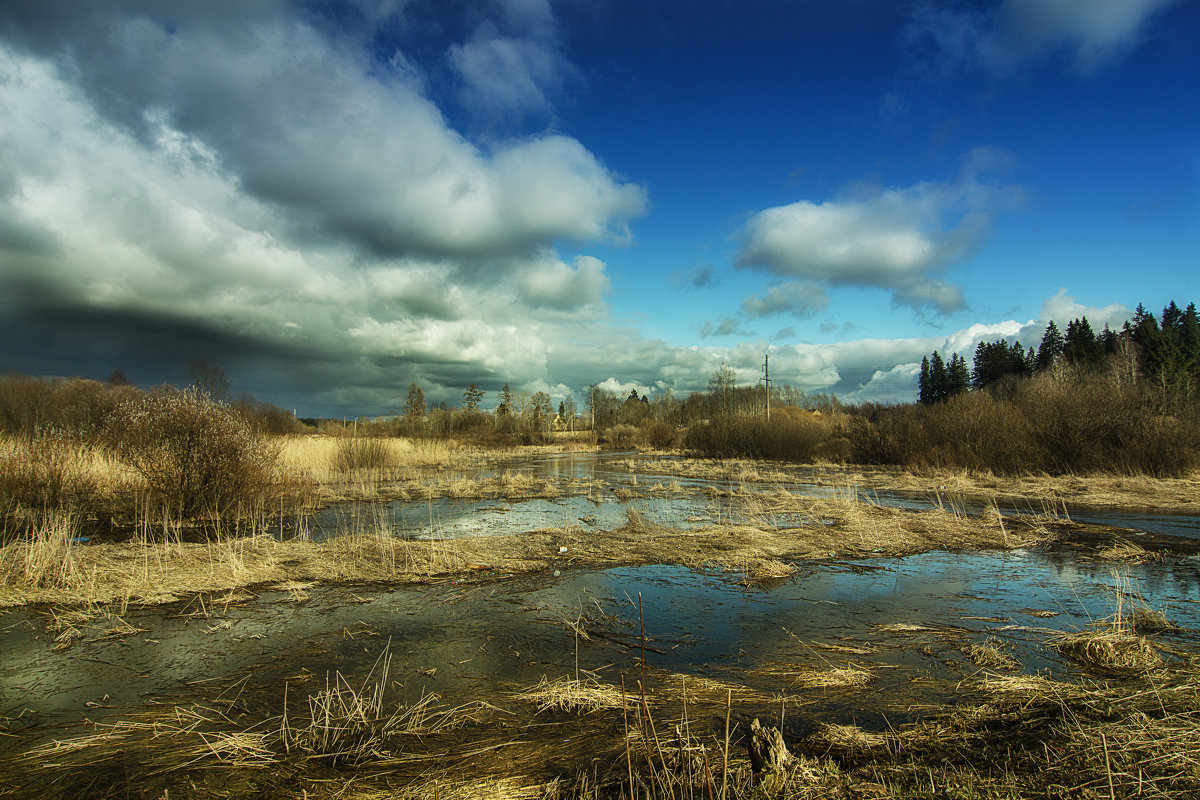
(556, 285)
(1018, 32)
(1062, 308)
(899, 239)
(305, 122)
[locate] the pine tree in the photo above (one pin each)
(505, 407)
(939, 379)
(1080, 346)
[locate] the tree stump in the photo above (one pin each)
(769, 756)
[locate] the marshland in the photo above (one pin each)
(212, 599)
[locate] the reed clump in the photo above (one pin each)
(362, 454)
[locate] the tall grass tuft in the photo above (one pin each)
(362, 453)
(42, 474)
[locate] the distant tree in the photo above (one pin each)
(602, 406)
(1050, 348)
(504, 408)
(567, 412)
(414, 406)
(939, 378)
(472, 397)
(208, 379)
(1080, 346)
(540, 412)
(721, 387)
(958, 377)
(999, 360)
(117, 378)
(924, 387)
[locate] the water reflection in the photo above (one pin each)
(900, 618)
(686, 506)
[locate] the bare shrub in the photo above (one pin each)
(659, 434)
(790, 435)
(1057, 422)
(623, 437)
(197, 456)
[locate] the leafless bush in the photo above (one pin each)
(1055, 423)
(623, 437)
(786, 436)
(197, 455)
(659, 434)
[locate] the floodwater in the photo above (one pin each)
(906, 621)
(687, 504)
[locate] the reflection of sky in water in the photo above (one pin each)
(454, 519)
(482, 638)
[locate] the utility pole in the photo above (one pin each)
(767, 381)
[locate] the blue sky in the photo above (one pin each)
(332, 200)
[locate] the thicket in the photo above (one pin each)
(66, 443)
(790, 434)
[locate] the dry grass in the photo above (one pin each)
(809, 677)
(573, 695)
(992, 654)
(1108, 652)
(158, 566)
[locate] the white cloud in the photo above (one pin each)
(1018, 32)
(553, 284)
(898, 239)
(1062, 308)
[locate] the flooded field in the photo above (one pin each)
(128, 701)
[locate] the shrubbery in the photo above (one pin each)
(1065, 422)
(198, 457)
(790, 435)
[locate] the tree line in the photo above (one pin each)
(1163, 351)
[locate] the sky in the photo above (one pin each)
(331, 201)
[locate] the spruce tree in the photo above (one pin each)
(1050, 348)
(1079, 345)
(924, 390)
(939, 378)
(959, 377)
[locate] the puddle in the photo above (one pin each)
(905, 621)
